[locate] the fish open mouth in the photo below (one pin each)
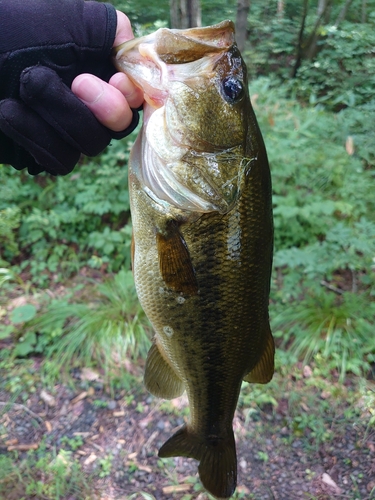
(179, 166)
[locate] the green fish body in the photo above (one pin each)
(201, 209)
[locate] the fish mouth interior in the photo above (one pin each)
(145, 59)
(152, 62)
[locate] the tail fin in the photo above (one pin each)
(218, 460)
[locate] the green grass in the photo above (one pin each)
(102, 325)
(338, 329)
(44, 475)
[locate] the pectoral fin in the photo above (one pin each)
(175, 263)
(263, 370)
(160, 379)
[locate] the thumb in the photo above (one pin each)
(124, 30)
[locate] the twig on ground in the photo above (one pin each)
(332, 288)
(17, 406)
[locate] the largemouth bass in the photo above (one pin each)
(200, 192)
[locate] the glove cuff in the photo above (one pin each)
(133, 125)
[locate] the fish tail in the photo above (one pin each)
(217, 456)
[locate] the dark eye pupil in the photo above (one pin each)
(233, 89)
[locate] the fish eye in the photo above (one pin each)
(233, 89)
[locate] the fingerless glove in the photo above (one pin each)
(44, 45)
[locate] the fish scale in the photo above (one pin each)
(202, 255)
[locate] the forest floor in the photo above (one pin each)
(305, 443)
(305, 435)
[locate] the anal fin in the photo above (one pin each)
(263, 371)
(160, 379)
(175, 263)
(217, 459)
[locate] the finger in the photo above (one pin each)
(124, 30)
(133, 94)
(107, 103)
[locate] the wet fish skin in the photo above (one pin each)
(203, 236)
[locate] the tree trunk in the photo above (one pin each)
(343, 12)
(364, 11)
(323, 13)
(280, 8)
(300, 40)
(185, 14)
(324, 10)
(243, 7)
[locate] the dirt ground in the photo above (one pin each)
(275, 461)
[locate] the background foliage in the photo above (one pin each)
(312, 79)
(67, 298)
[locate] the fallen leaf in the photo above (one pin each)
(90, 459)
(89, 374)
(23, 447)
(243, 489)
(78, 398)
(11, 441)
(47, 398)
(145, 468)
(305, 407)
(326, 478)
(99, 448)
(177, 488)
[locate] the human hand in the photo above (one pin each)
(43, 124)
(111, 102)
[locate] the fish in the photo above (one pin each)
(201, 208)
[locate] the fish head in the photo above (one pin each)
(197, 115)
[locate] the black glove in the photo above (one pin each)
(44, 45)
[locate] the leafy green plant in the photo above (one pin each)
(105, 466)
(42, 474)
(73, 442)
(324, 281)
(342, 73)
(9, 223)
(48, 219)
(108, 330)
(340, 329)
